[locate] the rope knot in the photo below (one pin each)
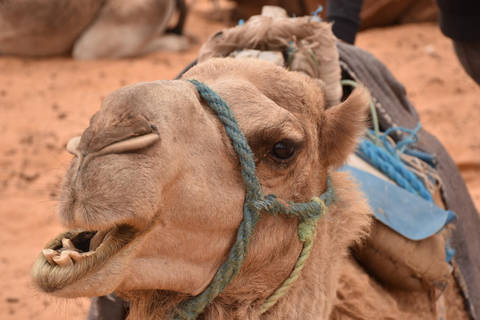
(321, 203)
(266, 203)
(306, 230)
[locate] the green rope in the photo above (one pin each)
(306, 234)
(255, 203)
(373, 111)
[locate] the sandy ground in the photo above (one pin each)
(44, 103)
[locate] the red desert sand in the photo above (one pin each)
(45, 102)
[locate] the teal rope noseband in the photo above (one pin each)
(255, 202)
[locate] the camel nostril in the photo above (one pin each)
(132, 144)
(72, 146)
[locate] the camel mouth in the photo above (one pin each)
(77, 248)
(76, 253)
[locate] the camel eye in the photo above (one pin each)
(283, 150)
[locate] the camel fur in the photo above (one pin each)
(374, 13)
(89, 29)
(156, 166)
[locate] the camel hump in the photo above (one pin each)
(43, 27)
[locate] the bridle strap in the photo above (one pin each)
(255, 202)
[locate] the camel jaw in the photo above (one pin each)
(94, 261)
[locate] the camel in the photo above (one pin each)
(177, 150)
(374, 13)
(90, 29)
(154, 197)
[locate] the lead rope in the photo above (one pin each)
(306, 234)
(255, 202)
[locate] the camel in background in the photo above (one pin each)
(90, 29)
(374, 14)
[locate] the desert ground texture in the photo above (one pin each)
(46, 102)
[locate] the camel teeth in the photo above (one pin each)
(49, 255)
(97, 240)
(63, 259)
(76, 256)
(67, 243)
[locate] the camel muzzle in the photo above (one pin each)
(76, 253)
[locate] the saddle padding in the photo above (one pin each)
(403, 263)
(394, 109)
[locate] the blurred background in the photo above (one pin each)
(48, 96)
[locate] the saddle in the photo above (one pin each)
(424, 214)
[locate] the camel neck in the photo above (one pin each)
(269, 262)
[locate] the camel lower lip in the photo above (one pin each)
(77, 253)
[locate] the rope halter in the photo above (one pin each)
(255, 202)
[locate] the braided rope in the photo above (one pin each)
(393, 168)
(255, 202)
(388, 161)
(280, 292)
(306, 234)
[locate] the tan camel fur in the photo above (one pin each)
(156, 168)
(374, 14)
(90, 29)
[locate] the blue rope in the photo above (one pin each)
(315, 14)
(403, 144)
(387, 160)
(255, 202)
(318, 11)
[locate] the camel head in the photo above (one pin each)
(154, 195)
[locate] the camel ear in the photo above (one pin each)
(344, 125)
